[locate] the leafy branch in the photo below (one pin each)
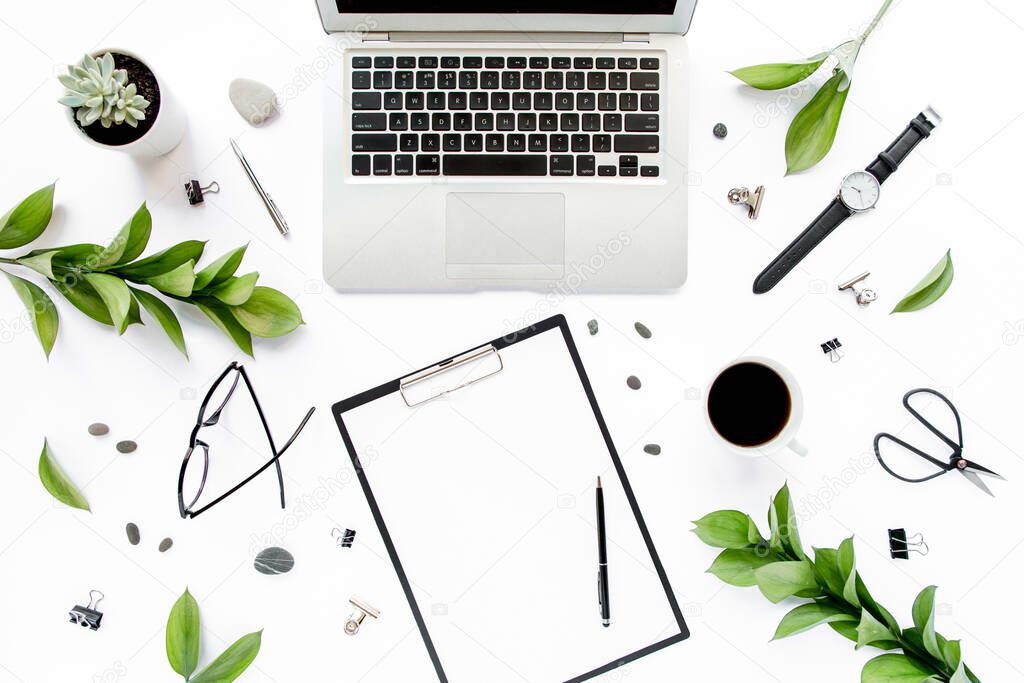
(182, 644)
(104, 282)
(835, 594)
(813, 129)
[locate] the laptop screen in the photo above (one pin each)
(507, 7)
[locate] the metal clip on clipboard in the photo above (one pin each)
(476, 356)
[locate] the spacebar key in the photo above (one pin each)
(495, 164)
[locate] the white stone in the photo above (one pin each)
(253, 100)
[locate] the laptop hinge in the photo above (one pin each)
(509, 37)
(636, 37)
(375, 37)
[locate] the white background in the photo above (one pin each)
(959, 190)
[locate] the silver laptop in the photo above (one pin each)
(528, 144)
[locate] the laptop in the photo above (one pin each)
(523, 144)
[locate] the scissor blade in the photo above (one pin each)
(976, 480)
(984, 470)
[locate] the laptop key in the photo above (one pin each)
(495, 164)
(596, 80)
(569, 122)
(585, 165)
(428, 164)
(414, 100)
(403, 164)
(490, 80)
(559, 143)
(613, 122)
(606, 170)
(494, 142)
(627, 171)
(553, 80)
(521, 100)
(478, 100)
(473, 142)
(538, 143)
(398, 121)
(446, 80)
(419, 121)
(462, 121)
(374, 142)
(627, 62)
(637, 143)
(450, 62)
(583, 63)
(650, 171)
(533, 80)
(575, 80)
(511, 80)
(425, 80)
(494, 62)
(516, 63)
(549, 122)
(539, 62)
(642, 122)
(580, 143)
(516, 142)
(628, 101)
(483, 122)
(361, 62)
(472, 62)
(428, 62)
(467, 80)
(649, 102)
(561, 62)
(381, 164)
(649, 64)
(527, 121)
(441, 121)
(409, 142)
(644, 81)
(500, 100)
(369, 121)
(361, 80)
(563, 101)
(505, 121)
(435, 100)
(366, 100)
(430, 142)
(586, 101)
(605, 62)
(360, 164)
(404, 80)
(562, 164)
(606, 101)
(383, 62)
(617, 81)
(591, 122)
(451, 142)
(456, 100)
(542, 100)
(602, 143)
(406, 62)
(393, 100)
(381, 80)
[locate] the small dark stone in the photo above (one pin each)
(133, 533)
(652, 449)
(592, 326)
(98, 429)
(633, 382)
(642, 330)
(126, 447)
(720, 130)
(274, 560)
(165, 545)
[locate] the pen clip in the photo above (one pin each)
(600, 594)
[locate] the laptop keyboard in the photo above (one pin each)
(514, 114)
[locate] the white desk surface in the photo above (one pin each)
(959, 191)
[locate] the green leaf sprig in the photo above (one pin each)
(58, 483)
(813, 129)
(182, 643)
(834, 594)
(105, 282)
(931, 287)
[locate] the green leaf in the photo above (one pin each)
(177, 282)
(268, 313)
(727, 529)
(924, 619)
(221, 269)
(960, 675)
(84, 297)
(931, 287)
(57, 483)
(775, 533)
(806, 617)
(789, 534)
(222, 318)
(779, 75)
(163, 261)
(41, 311)
(846, 629)
(164, 315)
(848, 570)
(826, 570)
(893, 668)
(115, 295)
(877, 611)
(872, 632)
(813, 129)
(182, 635)
(235, 291)
(235, 660)
(129, 242)
(27, 220)
(951, 653)
(42, 263)
(81, 255)
(735, 566)
(781, 580)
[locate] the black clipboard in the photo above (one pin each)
(404, 387)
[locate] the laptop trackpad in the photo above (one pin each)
(505, 235)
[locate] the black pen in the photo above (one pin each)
(602, 560)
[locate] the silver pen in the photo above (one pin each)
(268, 202)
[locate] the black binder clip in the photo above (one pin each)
(900, 546)
(344, 538)
(88, 617)
(831, 348)
(195, 192)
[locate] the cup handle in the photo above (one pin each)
(797, 448)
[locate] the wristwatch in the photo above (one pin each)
(858, 193)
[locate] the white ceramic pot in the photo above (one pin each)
(167, 130)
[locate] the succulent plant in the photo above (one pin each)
(99, 92)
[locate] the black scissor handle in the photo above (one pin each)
(959, 445)
(943, 466)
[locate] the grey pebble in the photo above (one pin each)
(633, 382)
(254, 101)
(126, 447)
(132, 530)
(98, 429)
(652, 449)
(274, 560)
(642, 330)
(592, 326)
(165, 545)
(720, 130)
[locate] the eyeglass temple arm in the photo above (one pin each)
(944, 466)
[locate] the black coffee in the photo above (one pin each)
(749, 404)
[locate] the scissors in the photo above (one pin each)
(971, 470)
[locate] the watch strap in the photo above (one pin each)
(886, 163)
(827, 221)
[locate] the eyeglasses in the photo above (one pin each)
(897, 450)
(218, 397)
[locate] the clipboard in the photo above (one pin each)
(479, 471)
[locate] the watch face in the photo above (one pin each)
(859, 191)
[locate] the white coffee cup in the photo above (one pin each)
(786, 437)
